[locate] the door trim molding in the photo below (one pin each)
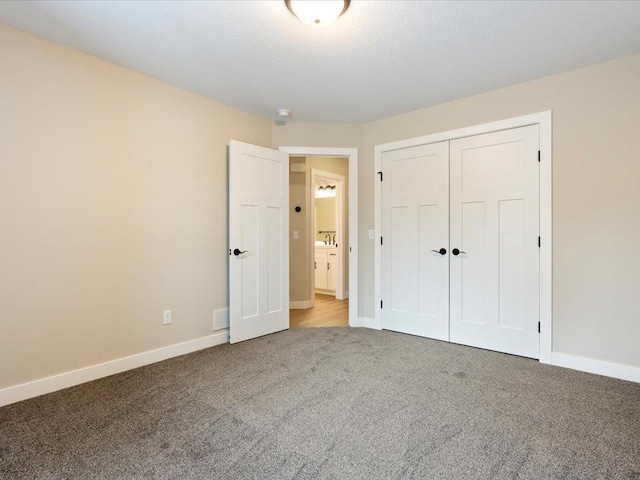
(352, 249)
(365, 322)
(544, 121)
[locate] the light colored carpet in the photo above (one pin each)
(333, 403)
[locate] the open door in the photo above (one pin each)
(258, 241)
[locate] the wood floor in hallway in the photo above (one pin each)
(328, 312)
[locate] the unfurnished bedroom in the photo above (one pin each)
(335, 239)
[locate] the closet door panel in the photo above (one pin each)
(495, 226)
(415, 227)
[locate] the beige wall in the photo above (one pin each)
(113, 203)
(325, 217)
(299, 283)
(112, 209)
(293, 134)
(596, 193)
(301, 254)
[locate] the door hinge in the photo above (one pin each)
(380, 303)
(380, 240)
(349, 249)
(380, 173)
(538, 242)
(538, 155)
(538, 327)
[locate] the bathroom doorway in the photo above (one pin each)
(319, 241)
(327, 212)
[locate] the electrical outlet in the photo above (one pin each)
(221, 319)
(166, 317)
(296, 235)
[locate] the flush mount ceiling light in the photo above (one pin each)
(318, 13)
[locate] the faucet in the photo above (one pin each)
(328, 239)
(334, 238)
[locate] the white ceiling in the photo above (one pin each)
(379, 59)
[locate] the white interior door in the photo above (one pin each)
(415, 227)
(258, 241)
(495, 225)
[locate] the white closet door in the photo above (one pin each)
(415, 226)
(495, 225)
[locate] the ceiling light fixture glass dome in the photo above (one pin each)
(317, 13)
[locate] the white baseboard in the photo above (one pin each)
(36, 388)
(323, 291)
(299, 305)
(615, 370)
(368, 323)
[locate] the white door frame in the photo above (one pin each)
(351, 154)
(544, 121)
(339, 216)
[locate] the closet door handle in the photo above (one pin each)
(442, 251)
(456, 252)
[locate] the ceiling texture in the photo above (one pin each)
(381, 58)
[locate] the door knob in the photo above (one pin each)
(455, 251)
(442, 251)
(237, 252)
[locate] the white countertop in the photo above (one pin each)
(320, 244)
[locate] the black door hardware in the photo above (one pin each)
(442, 251)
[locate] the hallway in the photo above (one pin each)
(328, 312)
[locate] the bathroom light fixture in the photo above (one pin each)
(325, 192)
(317, 13)
(283, 113)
